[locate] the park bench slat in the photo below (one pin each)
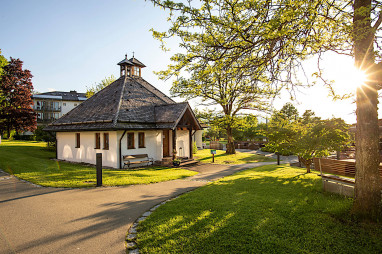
(137, 159)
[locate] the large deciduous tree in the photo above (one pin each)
(16, 88)
(272, 37)
(367, 201)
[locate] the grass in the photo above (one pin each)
(222, 158)
(271, 209)
(31, 161)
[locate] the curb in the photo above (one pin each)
(131, 237)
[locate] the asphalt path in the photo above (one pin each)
(92, 220)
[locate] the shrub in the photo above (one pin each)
(194, 148)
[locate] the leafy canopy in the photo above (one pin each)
(90, 91)
(307, 136)
(16, 88)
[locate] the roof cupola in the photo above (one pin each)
(131, 67)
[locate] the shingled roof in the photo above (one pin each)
(130, 102)
(58, 95)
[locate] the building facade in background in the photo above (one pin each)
(50, 106)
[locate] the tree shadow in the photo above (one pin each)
(257, 215)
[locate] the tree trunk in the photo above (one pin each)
(367, 203)
(8, 130)
(230, 143)
(368, 183)
(307, 163)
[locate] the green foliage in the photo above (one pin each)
(207, 116)
(16, 112)
(3, 62)
(307, 137)
(41, 135)
(90, 91)
(263, 40)
(32, 162)
(247, 128)
(194, 148)
(270, 209)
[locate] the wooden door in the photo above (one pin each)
(166, 143)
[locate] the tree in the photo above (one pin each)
(3, 62)
(288, 112)
(318, 138)
(90, 91)
(247, 128)
(307, 137)
(367, 201)
(273, 37)
(16, 106)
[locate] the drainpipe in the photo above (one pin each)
(120, 149)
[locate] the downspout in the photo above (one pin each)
(120, 149)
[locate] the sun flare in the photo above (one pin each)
(356, 78)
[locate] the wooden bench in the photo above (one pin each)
(130, 160)
(338, 175)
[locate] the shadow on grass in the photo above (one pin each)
(258, 214)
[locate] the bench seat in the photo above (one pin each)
(136, 159)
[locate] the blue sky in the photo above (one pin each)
(69, 45)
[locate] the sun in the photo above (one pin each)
(347, 78)
(356, 78)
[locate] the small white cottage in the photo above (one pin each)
(128, 117)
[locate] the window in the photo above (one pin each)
(141, 140)
(106, 141)
(130, 140)
(136, 71)
(97, 141)
(78, 142)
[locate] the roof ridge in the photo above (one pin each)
(120, 102)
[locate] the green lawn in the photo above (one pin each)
(271, 209)
(222, 158)
(31, 161)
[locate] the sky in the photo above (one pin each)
(71, 45)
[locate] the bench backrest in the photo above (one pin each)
(342, 168)
(135, 156)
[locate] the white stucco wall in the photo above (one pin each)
(182, 143)
(66, 150)
(69, 105)
(153, 144)
(198, 139)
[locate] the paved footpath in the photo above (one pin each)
(94, 220)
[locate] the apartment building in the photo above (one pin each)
(50, 106)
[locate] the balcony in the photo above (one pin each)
(47, 109)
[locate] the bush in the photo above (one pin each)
(23, 137)
(42, 135)
(194, 148)
(270, 149)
